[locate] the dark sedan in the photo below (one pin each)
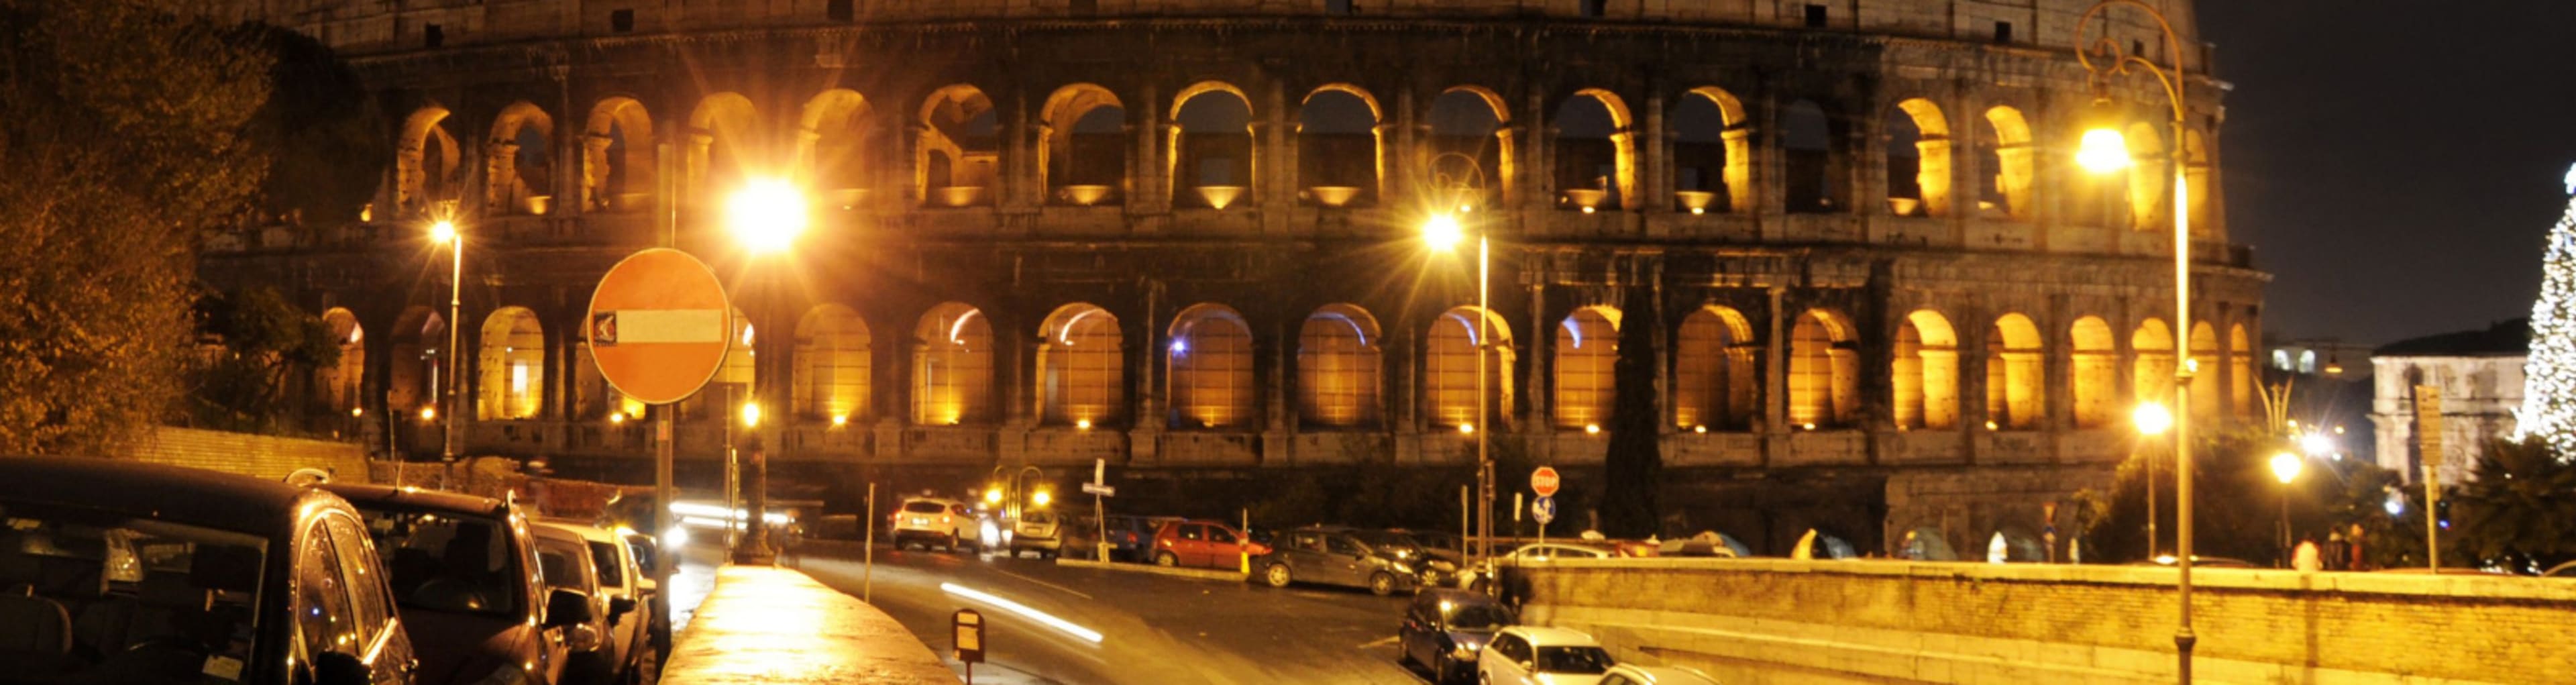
(1443, 630)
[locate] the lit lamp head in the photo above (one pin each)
(1041, 498)
(993, 495)
(442, 231)
(2316, 444)
(2104, 149)
(1442, 232)
(751, 414)
(2286, 466)
(2152, 419)
(767, 215)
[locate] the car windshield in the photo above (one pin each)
(200, 588)
(1577, 660)
(924, 507)
(1037, 517)
(446, 562)
(1479, 617)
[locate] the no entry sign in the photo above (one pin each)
(659, 325)
(1543, 481)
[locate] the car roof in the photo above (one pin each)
(417, 499)
(173, 493)
(559, 532)
(1662, 675)
(580, 529)
(1540, 636)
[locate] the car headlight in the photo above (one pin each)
(1463, 653)
(509, 674)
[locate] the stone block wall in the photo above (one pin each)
(1771, 620)
(258, 456)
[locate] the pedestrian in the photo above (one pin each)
(2336, 556)
(2306, 559)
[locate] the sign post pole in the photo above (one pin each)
(656, 330)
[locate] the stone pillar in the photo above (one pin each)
(1775, 368)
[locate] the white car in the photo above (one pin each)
(1631, 674)
(629, 593)
(1038, 530)
(933, 521)
(1531, 655)
(1475, 578)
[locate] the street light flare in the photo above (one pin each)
(442, 231)
(751, 414)
(2103, 151)
(1443, 233)
(2286, 466)
(2152, 419)
(767, 215)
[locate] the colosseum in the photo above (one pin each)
(1184, 236)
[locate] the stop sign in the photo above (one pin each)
(659, 325)
(1543, 481)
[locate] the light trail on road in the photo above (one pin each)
(1023, 610)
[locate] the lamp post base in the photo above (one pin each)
(2183, 643)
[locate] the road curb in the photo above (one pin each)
(1195, 573)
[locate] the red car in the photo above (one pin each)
(1203, 544)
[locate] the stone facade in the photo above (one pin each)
(1873, 264)
(2478, 375)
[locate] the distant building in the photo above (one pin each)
(2479, 374)
(2324, 357)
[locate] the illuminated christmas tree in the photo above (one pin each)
(2549, 385)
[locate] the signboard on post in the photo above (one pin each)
(659, 325)
(970, 636)
(1544, 481)
(1543, 510)
(1098, 489)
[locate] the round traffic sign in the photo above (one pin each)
(659, 325)
(1543, 481)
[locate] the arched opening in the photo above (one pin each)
(959, 155)
(2150, 179)
(2205, 373)
(1587, 347)
(838, 139)
(734, 377)
(1595, 152)
(1712, 153)
(2151, 376)
(416, 372)
(1715, 383)
(1471, 148)
(1212, 152)
(337, 389)
(617, 156)
(952, 366)
(1811, 159)
(591, 396)
(1340, 153)
(426, 167)
(520, 174)
(2016, 375)
(2096, 374)
(831, 369)
(1082, 368)
(1338, 368)
(1824, 371)
(512, 359)
(2008, 161)
(2240, 371)
(1211, 368)
(1926, 372)
(1083, 145)
(721, 132)
(1918, 159)
(1449, 367)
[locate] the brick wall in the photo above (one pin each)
(1763, 620)
(251, 455)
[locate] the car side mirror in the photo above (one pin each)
(337, 668)
(619, 606)
(582, 638)
(566, 608)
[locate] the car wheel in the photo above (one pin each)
(1381, 584)
(1166, 559)
(1278, 575)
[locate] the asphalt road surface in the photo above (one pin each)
(1151, 628)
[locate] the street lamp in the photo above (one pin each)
(2095, 153)
(2152, 420)
(1443, 233)
(443, 232)
(765, 216)
(2286, 466)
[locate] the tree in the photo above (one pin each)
(2519, 509)
(323, 133)
(2549, 390)
(123, 140)
(1634, 463)
(2236, 501)
(252, 341)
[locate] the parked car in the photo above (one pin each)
(1536, 552)
(1443, 629)
(1334, 556)
(1202, 544)
(123, 572)
(1433, 566)
(1541, 656)
(624, 592)
(1631, 674)
(648, 559)
(1039, 530)
(465, 576)
(1131, 538)
(564, 561)
(925, 521)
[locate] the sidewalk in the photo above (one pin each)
(773, 625)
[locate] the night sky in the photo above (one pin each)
(2395, 164)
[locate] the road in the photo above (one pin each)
(1152, 628)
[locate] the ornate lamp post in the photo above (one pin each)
(766, 216)
(1453, 194)
(2105, 149)
(443, 232)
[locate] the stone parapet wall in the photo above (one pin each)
(259, 456)
(1769, 620)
